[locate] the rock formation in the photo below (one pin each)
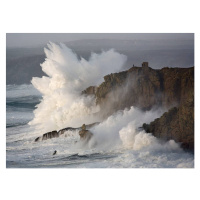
(54, 134)
(85, 135)
(50, 135)
(176, 124)
(145, 88)
(90, 90)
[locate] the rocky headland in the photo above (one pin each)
(147, 88)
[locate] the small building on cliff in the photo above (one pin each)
(145, 65)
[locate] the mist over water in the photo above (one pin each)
(117, 141)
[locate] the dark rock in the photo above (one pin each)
(50, 135)
(54, 134)
(62, 131)
(83, 127)
(85, 134)
(37, 139)
(176, 124)
(55, 152)
(90, 90)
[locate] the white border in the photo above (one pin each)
(98, 16)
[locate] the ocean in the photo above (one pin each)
(23, 152)
(54, 102)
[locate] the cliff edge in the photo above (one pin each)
(145, 88)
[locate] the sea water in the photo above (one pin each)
(23, 152)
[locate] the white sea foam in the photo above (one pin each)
(62, 104)
(134, 139)
(122, 127)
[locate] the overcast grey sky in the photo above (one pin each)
(36, 39)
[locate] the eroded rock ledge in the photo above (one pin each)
(54, 134)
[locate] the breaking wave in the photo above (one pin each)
(62, 104)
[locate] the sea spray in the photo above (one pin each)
(62, 105)
(135, 139)
(122, 127)
(122, 131)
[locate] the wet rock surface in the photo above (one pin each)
(50, 135)
(54, 134)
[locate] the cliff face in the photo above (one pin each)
(145, 88)
(176, 124)
(90, 90)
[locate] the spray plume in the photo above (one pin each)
(62, 105)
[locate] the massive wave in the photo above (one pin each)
(62, 104)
